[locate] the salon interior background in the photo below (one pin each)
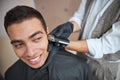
(55, 12)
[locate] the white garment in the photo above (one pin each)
(109, 43)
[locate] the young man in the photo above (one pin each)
(27, 31)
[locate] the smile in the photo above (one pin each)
(35, 60)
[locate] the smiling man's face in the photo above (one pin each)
(29, 41)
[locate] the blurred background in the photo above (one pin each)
(55, 12)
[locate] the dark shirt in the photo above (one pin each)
(1, 77)
(63, 66)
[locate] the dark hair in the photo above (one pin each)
(21, 13)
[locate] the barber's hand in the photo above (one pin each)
(63, 30)
(59, 42)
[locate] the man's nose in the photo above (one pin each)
(30, 50)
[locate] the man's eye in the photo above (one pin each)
(37, 39)
(18, 45)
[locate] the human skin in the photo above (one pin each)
(29, 41)
(79, 45)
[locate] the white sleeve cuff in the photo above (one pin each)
(94, 47)
(78, 21)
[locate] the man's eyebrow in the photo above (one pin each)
(16, 41)
(35, 34)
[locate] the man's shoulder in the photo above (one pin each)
(16, 65)
(15, 69)
(65, 55)
(68, 66)
(68, 59)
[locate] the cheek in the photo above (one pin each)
(43, 44)
(19, 53)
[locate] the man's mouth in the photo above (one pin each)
(35, 60)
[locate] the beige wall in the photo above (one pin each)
(57, 12)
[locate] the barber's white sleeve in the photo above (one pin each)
(109, 43)
(78, 16)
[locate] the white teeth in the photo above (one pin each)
(35, 59)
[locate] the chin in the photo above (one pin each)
(34, 66)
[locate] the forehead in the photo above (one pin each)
(25, 28)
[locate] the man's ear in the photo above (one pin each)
(47, 30)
